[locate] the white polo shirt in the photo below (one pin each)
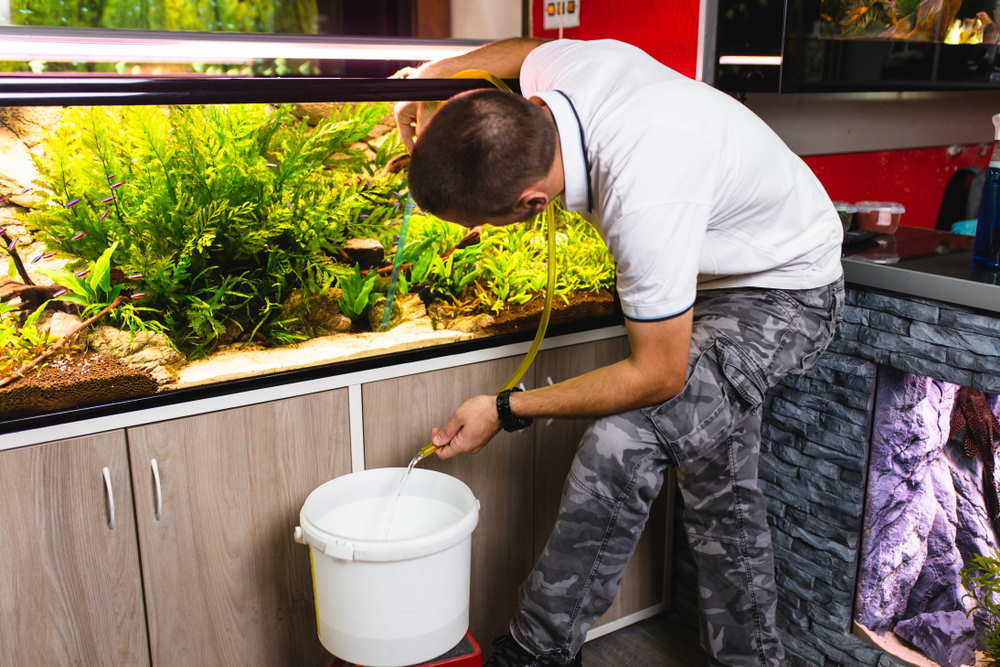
(689, 189)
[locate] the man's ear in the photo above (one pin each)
(532, 201)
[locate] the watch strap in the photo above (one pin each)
(509, 421)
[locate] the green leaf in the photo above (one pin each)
(100, 274)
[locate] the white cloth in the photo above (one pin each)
(690, 190)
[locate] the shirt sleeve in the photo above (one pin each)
(547, 63)
(657, 252)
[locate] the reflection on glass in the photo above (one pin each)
(269, 16)
(947, 21)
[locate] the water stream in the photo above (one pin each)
(395, 498)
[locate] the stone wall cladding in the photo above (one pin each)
(814, 462)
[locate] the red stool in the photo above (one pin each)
(466, 654)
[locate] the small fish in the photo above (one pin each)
(3, 200)
(77, 236)
(71, 203)
(108, 198)
(395, 237)
(25, 191)
(12, 245)
(111, 177)
(2, 230)
(135, 276)
(81, 273)
(138, 295)
(45, 255)
(363, 216)
(115, 186)
(59, 293)
(396, 193)
(271, 165)
(103, 215)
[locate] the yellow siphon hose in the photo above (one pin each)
(550, 232)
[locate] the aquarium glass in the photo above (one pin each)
(198, 244)
(901, 44)
(929, 578)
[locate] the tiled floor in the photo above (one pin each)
(662, 641)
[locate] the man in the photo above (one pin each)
(728, 270)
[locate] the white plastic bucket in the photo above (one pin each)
(401, 600)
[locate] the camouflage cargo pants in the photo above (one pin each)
(744, 341)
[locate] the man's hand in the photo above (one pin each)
(410, 118)
(469, 429)
(502, 59)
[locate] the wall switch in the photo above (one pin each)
(560, 13)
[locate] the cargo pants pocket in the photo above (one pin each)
(724, 386)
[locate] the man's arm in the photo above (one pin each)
(502, 59)
(654, 372)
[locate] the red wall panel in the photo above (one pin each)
(665, 29)
(914, 177)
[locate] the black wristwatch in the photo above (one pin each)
(508, 420)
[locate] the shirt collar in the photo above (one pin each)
(576, 171)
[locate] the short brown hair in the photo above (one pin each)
(479, 152)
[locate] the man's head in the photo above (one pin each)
(484, 157)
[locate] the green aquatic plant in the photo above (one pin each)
(982, 581)
(21, 340)
(92, 290)
(224, 210)
(356, 293)
(508, 265)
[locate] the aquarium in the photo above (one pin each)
(929, 579)
(853, 45)
(154, 249)
(890, 44)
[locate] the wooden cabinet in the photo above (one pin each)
(398, 417)
(555, 446)
(207, 504)
(225, 584)
(70, 591)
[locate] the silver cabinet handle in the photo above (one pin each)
(157, 489)
(110, 494)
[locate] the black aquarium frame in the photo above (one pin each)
(104, 90)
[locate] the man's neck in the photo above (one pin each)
(556, 178)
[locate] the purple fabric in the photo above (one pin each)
(946, 637)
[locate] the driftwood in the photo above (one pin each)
(31, 295)
(60, 344)
(21, 271)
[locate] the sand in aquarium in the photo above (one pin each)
(369, 518)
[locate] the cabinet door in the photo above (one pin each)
(398, 417)
(70, 587)
(225, 583)
(555, 446)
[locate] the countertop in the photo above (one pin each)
(925, 263)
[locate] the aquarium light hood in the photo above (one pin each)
(134, 46)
